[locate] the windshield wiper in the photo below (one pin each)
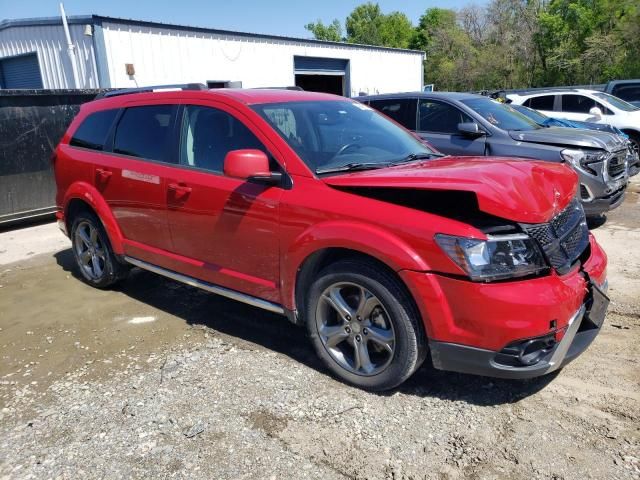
(352, 167)
(412, 157)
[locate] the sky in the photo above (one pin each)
(277, 17)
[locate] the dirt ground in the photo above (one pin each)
(156, 379)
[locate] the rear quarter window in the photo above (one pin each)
(402, 110)
(94, 130)
(544, 102)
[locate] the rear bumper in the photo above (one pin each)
(62, 224)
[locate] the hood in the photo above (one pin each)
(517, 190)
(570, 137)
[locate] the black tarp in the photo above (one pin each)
(32, 123)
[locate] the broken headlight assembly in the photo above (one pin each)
(584, 160)
(498, 257)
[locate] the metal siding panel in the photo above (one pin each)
(49, 43)
(172, 55)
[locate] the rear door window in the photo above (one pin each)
(544, 102)
(577, 103)
(145, 132)
(440, 117)
(402, 110)
(94, 130)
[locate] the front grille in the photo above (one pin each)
(564, 238)
(617, 164)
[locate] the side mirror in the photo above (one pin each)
(471, 129)
(250, 165)
(595, 111)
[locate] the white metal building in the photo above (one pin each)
(116, 53)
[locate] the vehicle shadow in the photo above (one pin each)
(252, 326)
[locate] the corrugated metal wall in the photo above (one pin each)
(48, 41)
(169, 55)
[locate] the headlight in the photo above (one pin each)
(497, 258)
(583, 159)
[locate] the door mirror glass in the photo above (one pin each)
(471, 129)
(251, 165)
(595, 111)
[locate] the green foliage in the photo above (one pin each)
(508, 43)
(331, 32)
(368, 25)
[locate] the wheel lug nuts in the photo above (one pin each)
(347, 329)
(358, 338)
(365, 331)
(349, 318)
(358, 318)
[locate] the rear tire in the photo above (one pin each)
(364, 326)
(96, 262)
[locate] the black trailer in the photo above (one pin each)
(31, 125)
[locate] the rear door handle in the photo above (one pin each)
(103, 174)
(179, 189)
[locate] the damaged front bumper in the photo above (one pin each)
(518, 361)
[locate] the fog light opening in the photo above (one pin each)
(531, 352)
(526, 353)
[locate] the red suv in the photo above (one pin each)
(317, 207)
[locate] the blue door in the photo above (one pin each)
(20, 72)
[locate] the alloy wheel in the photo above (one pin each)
(355, 328)
(90, 250)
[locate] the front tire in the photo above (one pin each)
(364, 325)
(95, 259)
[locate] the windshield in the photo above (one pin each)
(616, 102)
(329, 135)
(532, 114)
(501, 115)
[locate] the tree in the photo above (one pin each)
(367, 25)
(396, 30)
(364, 24)
(331, 32)
(508, 43)
(451, 56)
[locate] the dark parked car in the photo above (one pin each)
(468, 124)
(628, 90)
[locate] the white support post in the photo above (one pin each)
(71, 48)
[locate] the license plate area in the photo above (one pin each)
(597, 306)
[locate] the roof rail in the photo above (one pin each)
(572, 88)
(287, 87)
(153, 88)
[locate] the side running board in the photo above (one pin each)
(209, 287)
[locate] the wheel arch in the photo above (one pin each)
(82, 196)
(338, 238)
(322, 258)
(631, 132)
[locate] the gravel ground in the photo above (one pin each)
(159, 380)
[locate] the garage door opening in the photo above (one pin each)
(321, 83)
(22, 71)
(327, 75)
